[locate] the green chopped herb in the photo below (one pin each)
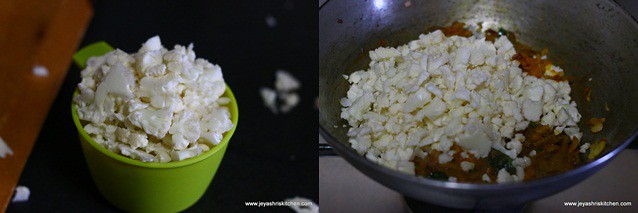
(502, 32)
(438, 176)
(532, 125)
(498, 161)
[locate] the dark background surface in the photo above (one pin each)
(270, 157)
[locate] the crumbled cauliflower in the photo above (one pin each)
(156, 105)
(438, 91)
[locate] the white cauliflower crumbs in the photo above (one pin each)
(452, 179)
(290, 100)
(285, 85)
(464, 155)
(438, 91)
(4, 149)
(40, 71)
(21, 194)
(551, 70)
(285, 82)
(270, 98)
(302, 205)
(444, 158)
(503, 176)
(486, 178)
(532, 153)
(584, 147)
(156, 105)
(271, 21)
(467, 166)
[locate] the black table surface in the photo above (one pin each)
(270, 157)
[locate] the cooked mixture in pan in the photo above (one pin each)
(466, 106)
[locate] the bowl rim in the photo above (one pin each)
(234, 111)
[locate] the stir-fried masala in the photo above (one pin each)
(555, 154)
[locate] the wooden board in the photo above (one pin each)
(32, 32)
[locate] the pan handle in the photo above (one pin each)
(325, 150)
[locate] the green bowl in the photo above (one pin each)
(135, 186)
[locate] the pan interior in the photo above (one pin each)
(591, 39)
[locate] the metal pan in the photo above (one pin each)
(589, 39)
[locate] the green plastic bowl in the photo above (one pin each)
(135, 186)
